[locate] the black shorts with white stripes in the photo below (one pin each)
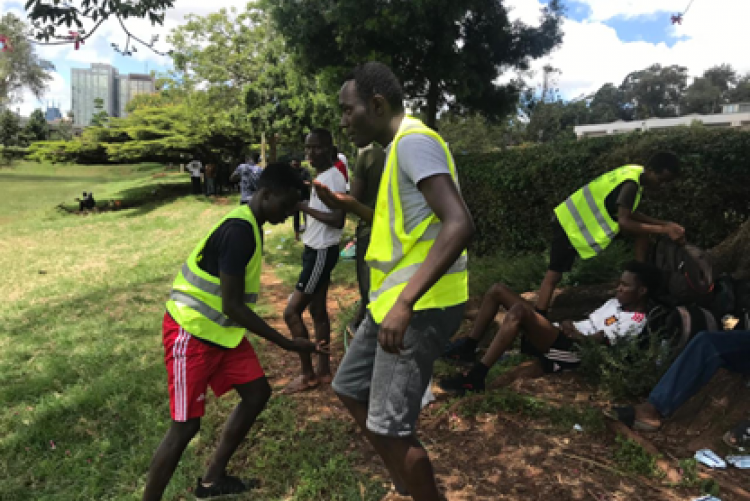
(317, 265)
(562, 355)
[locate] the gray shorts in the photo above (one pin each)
(394, 384)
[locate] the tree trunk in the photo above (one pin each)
(433, 95)
(733, 254)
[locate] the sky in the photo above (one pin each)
(604, 40)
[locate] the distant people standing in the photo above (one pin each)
(86, 202)
(247, 174)
(341, 166)
(195, 167)
(210, 179)
(306, 177)
(365, 183)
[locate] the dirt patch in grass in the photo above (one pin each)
(507, 455)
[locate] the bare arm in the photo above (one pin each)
(358, 189)
(638, 224)
(569, 330)
(336, 218)
(233, 306)
(342, 201)
(457, 229)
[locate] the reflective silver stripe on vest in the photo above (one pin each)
(582, 226)
(215, 316)
(404, 274)
(210, 287)
(597, 213)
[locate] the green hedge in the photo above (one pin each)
(512, 194)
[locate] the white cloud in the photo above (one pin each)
(592, 54)
(602, 10)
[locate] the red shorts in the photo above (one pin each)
(193, 365)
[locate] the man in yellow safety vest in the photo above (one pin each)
(417, 260)
(587, 221)
(209, 309)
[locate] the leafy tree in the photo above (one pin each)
(608, 105)
(10, 126)
(701, 97)
(722, 76)
(655, 91)
(20, 68)
(446, 53)
(48, 17)
(100, 117)
(741, 92)
(552, 121)
(37, 128)
(475, 134)
(240, 59)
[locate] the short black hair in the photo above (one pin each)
(324, 134)
(647, 275)
(374, 78)
(256, 157)
(279, 177)
(664, 161)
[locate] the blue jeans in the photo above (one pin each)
(704, 355)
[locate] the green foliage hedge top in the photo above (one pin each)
(512, 194)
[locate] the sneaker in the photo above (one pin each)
(459, 351)
(460, 385)
(225, 486)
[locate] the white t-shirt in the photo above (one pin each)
(343, 159)
(613, 322)
(319, 235)
(195, 168)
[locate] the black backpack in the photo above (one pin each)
(687, 273)
(678, 325)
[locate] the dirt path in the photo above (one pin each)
(496, 456)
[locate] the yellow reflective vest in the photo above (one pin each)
(395, 255)
(584, 216)
(195, 301)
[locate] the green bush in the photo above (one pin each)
(512, 194)
(628, 369)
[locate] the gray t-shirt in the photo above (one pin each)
(419, 157)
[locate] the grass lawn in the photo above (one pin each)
(81, 369)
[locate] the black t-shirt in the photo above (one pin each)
(229, 249)
(624, 195)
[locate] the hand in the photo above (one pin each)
(302, 345)
(676, 233)
(332, 199)
(393, 327)
(569, 330)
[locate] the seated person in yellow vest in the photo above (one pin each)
(210, 308)
(321, 253)
(587, 222)
(417, 259)
(554, 344)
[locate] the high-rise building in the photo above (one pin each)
(104, 82)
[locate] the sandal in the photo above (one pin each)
(738, 438)
(225, 486)
(626, 415)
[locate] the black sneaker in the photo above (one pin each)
(460, 385)
(460, 351)
(225, 486)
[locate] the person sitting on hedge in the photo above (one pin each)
(587, 221)
(554, 344)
